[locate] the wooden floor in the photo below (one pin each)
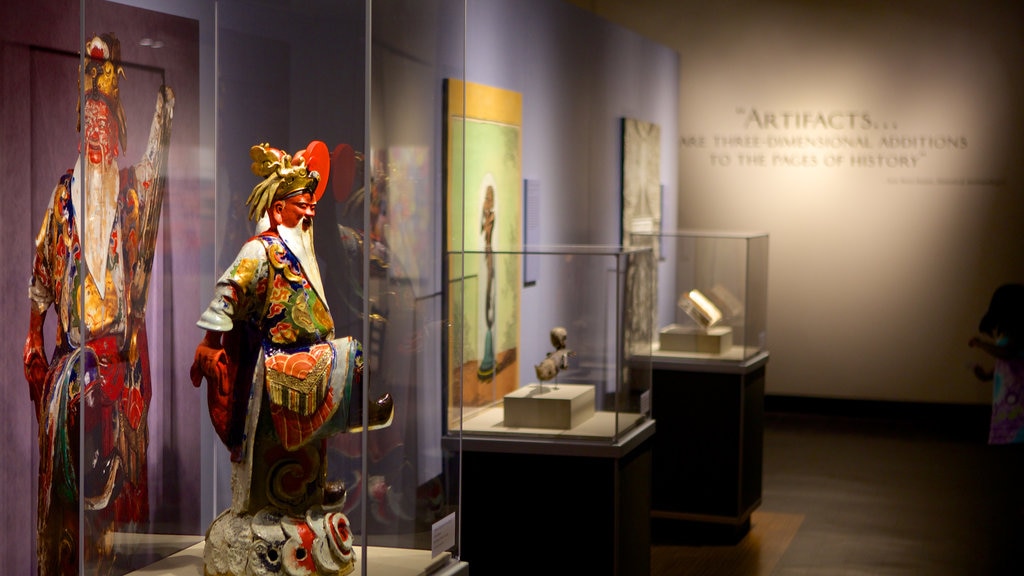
(873, 497)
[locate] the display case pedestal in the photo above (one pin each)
(676, 338)
(557, 406)
(708, 453)
(555, 506)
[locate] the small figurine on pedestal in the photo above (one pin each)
(279, 383)
(559, 407)
(556, 360)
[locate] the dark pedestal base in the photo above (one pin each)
(556, 507)
(697, 533)
(707, 461)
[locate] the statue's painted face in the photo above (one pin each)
(100, 132)
(294, 210)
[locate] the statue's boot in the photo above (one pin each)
(381, 413)
(334, 494)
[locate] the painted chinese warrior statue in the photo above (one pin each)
(279, 383)
(95, 247)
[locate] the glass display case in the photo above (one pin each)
(122, 463)
(712, 294)
(709, 371)
(565, 356)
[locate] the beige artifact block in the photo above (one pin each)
(676, 338)
(561, 406)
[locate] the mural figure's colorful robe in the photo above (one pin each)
(108, 304)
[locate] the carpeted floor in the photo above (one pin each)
(756, 555)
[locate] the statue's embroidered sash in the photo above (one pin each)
(298, 381)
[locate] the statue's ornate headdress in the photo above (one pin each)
(284, 175)
(101, 71)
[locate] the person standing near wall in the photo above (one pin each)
(1002, 338)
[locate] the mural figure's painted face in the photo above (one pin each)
(100, 132)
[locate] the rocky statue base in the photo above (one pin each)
(273, 543)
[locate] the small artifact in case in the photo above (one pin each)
(706, 337)
(561, 407)
(700, 308)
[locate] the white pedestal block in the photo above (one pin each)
(561, 406)
(714, 340)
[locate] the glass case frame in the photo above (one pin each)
(712, 303)
(601, 297)
(242, 73)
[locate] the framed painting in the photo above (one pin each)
(483, 238)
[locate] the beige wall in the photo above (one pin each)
(894, 206)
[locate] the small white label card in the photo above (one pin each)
(442, 535)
